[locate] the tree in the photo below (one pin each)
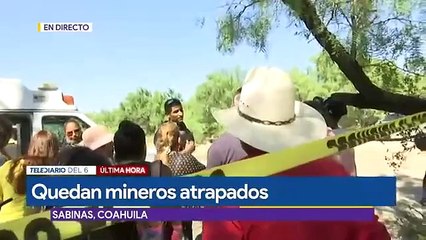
(307, 86)
(217, 92)
(328, 72)
(371, 39)
(147, 108)
(142, 107)
(110, 119)
(324, 80)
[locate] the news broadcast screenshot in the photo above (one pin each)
(213, 120)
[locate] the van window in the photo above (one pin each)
(22, 132)
(55, 125)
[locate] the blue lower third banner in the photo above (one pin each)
(210, 191)
(212, 214)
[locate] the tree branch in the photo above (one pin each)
(307, 13)
(399, 19)
(393, 64)
(345, 17)
(391, 103)
(370, 95)
(245, 8)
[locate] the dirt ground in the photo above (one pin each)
(371, 161)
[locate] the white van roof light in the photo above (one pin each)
(48, 87)
(46, 97)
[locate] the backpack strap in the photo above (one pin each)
(155, 168)
(6, 202)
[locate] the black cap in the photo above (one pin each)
(330, 109)
(335, 108)
(171, 103)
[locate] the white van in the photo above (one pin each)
(46, 108)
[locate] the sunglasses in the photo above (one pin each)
(76, 131)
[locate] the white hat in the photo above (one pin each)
(268, 117)
(96, 136)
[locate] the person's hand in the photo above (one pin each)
(189, 147)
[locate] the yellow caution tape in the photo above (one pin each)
(273, 163)
(40, 224)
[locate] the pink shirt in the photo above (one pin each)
(347, 157)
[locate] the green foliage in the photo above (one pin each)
(146, 108)
(253, 28)
(142, 107)
(410, 220)
(383, 36)
(307, 86)
(217, 92)
(110, 119)
(153, 113)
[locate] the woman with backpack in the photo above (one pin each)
(167, 141)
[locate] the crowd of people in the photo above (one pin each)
(264, 117)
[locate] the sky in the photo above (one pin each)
(150, 44)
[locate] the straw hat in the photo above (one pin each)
(96, 136)
(268, 117)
